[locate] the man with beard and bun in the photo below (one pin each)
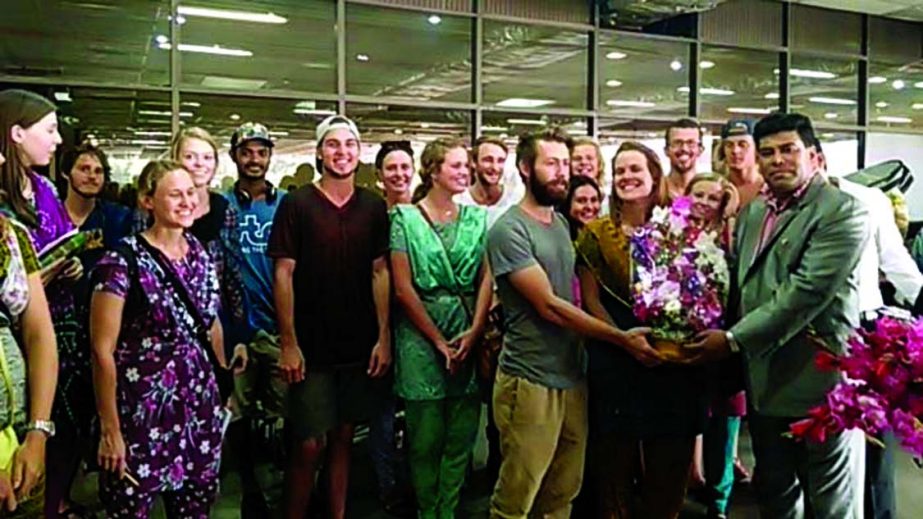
(683, 147)
(259, 393)
(86, 170)
(330, 242)
(488, 190)
(540, 391)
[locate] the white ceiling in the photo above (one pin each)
(903, 9)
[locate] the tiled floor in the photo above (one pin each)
(363, 503)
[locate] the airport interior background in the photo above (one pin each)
(126, 74)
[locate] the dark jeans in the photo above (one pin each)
(880, 499)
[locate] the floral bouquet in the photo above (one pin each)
(882, 390)
(680, 277)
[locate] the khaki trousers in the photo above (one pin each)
(543, 436)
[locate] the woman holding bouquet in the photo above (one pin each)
(639, 416)
(442, 282)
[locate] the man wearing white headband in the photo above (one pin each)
(330, 244)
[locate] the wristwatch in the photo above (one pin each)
(43, 426)
(732, 342)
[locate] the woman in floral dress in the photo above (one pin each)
(160, 413)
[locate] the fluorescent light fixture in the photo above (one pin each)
(234, 117)
(278, 134)
(877, 80)
(806, 73)
(881, 104)
(489, 128)
(398, 131)
(630, 104)
(705, 64)
(193, 104)
(163, 113)
(305, 111)
(918, 84)
(616, 55)
(716, 91)
(831, 101)
(676, 65)
(917, 106)
(216, 50)
(831, 115)
(683, 89)
(161, 39)
(528, 122)
(771, 95)
(143, 142)
(613, 83)
(893, 119)
(151, 133)
(521, 102)
(362, 57)
(434, 19)
(898, 84)
(745, 110)
(225, 14)
(62, 97)
(424, 125)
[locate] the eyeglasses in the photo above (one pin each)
(691, 144)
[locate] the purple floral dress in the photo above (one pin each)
(166, 394)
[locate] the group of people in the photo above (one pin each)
(332, 306)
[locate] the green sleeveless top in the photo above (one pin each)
(440, 272)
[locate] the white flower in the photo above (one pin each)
(146, 342)
(129, 491)
(182, 443)
(144, 470)
(132, 374)
(673, 306)
(154, 434)
(205, 447)
(177, 428)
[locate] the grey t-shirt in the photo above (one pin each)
(534, 348)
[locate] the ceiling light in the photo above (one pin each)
(771, 95)
(918, 84)
(705, 64)
(877, 80)
(616, 55)
(676, 65)
(613, 83)
(143, 142)
(398, 131)
(278, 134)
(362, 57)
(424, 125)
(305, 111)
(234, 117)
(831, 101)
(893, 119)
(434, 19)
(62, 97)
(531, 122)
(754, 111)
(831, 115)
(716, 91)
(812, 74)
(521, 102)
(881, 104)
(898, 84)
(147, 133)
(193, 104)
(165, 113)
(224, 14)
(206, 49)
(631, 104)
(683, 89)
(917, 106)
(490, 128)
(161, 38)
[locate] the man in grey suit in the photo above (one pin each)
(795, 290)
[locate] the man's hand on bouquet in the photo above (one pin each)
(707, 347)
(635, 342)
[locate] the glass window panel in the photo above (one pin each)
(403, 55)
(642, 77)
(888, 40)
(881, 146)
(824, 89)
(739, 82)
(105, 41)
(895, 96)
(297, 53)
(573, 11)
(389, 122)
(526, 66)
(291, 123)
(826, 30)
(640, 17)
(755, 23)
(459, 6)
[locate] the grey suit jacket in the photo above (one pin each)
(797, 294)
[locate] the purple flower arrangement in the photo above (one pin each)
(680, 274)
(882, 388)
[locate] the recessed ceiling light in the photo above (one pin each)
(279, 134)
(831, 115)
(234, 117)
(771, 95)
(881, 104)
(877, 80)
(521, 102)
(62, 97)
(434, 19)
(716, 91)
(216, 50)
(705, 64)
(898, 84)
(145, 142)
(151, 133)
(918, 84)
(917, 106)
(362, 57)
(616, 55)
(806, 73)
(161, 38)
(753, 111)
(676, 65)
(613, 83)
(193, 104)
(424, 125)
(893, 119)
(630, 104)
(492, 128)
(831, 101)
(531, 122)
(225, 14)
(398, 131)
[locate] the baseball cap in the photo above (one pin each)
(736, 127)
(336, 122)
(250, 131)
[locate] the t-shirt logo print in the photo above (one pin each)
(254, 235)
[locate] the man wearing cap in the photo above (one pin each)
(683, 148)
(740, 159)
(329, 241)
(259, 393)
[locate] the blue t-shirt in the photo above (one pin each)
(254, 221)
